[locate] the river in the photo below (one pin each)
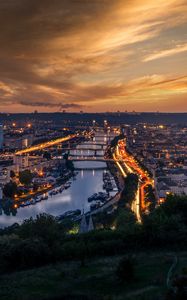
(86, 183)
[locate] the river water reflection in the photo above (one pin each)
(83, 185)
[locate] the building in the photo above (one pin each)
(21, 162)
(84, 226)
(4, 175)
(1, 137)
(1, 193)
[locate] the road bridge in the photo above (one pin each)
(81, 149)
(96, 144)
(81, 156)
(46, 144)
(91, 168)
(93, 158)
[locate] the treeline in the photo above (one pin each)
(44, 240)
(150, 197)
(116, 139)
(128, 194)
(113, 144)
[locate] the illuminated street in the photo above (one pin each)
(128, 164)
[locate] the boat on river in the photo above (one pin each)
(70, 214)
(98, 196)
(44, 197)
(96, 205)
(67, 185)
(33, 201)
(37, 199)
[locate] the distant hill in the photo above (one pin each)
(87, 118)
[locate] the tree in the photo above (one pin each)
(125, 220)
(35, 186)
(115, 141)
(168, 222)
(44, 226)
(179, 292)
(176, 205)
(19, 254)
(105, 220)
(66, 155)
(47, 155)
(150, 197)
(10, 189)
(130, 188)
(25, 177)
(70, 165)
(12, 174)
(125, 270)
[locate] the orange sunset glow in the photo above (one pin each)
(104, 55)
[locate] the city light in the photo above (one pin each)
(46, 145)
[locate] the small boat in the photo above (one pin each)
(32, 201)
(66, 186)
(37, 199)
(98, 196)
(70, 214)
(110, 188)
(54, 192)
(92, 198)
(95, 205)
(101, 194)
(103, 200)
(44, 197)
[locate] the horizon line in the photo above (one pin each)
(84, 112)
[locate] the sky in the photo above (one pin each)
(93, 55)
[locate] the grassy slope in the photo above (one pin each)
(96, 279)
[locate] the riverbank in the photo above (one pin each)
(111, 204)
(18, 201)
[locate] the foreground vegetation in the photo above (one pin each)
(96, 280)
(41, 257)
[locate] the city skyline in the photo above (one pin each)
(93, 56)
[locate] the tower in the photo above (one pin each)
(83, 225)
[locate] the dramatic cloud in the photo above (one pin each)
(96, 55)
(168, 52)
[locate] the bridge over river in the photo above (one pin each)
(92, 151)
(87, 158)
